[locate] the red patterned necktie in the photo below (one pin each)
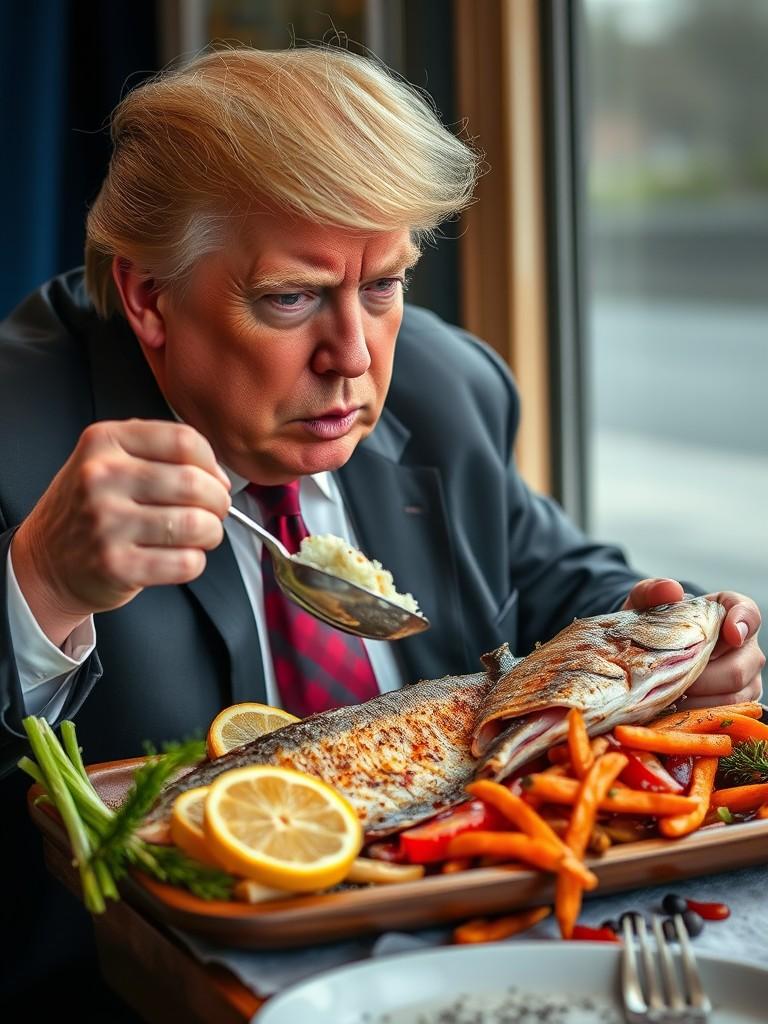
(316, 666)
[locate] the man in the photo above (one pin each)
(241, 327)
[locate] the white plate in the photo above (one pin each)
(362, 993)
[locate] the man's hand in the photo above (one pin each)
(733, 672)
(136, 504)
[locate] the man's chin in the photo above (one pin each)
(327, 456)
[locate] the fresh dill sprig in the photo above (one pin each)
(747, 764)
(104, 842)
(149, 780)
(208, 883)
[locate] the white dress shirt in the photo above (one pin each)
(46, 671)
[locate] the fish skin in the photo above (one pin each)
(405, 755)
(399, 758)
(616, 668)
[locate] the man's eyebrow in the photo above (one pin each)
(307, 276)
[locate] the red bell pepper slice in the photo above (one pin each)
(645, 771)
(581, 931)
(427, 843)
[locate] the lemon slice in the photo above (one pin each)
(242, 723)
(187, 825)
(281, 827)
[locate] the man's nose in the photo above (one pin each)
(343, 348)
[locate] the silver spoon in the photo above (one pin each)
(335, 601)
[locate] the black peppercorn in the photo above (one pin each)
(674, 904)
(694, 923)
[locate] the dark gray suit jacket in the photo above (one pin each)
(432, 494)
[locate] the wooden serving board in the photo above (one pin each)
(436, 899)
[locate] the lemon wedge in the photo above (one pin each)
(187, 825)
(281, 827)
(241, 723)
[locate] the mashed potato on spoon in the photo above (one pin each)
(334, 555)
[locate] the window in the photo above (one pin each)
(676, 145)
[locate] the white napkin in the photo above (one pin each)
(742, 936)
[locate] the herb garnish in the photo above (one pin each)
(747, 764)
(103, 841)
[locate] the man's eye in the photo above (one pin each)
(385, 285)
(287, 300)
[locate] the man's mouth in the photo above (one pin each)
(331, 424)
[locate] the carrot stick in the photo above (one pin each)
(516, 846)
(580, 750)
(702, 781)
(593, 788)
(729, 723)
(740, 798)
(693, 720)
(521, 814)
(762, 812)
(557, 790)
(738, 727)
(637, 737)
(483, 930)
(515, 809)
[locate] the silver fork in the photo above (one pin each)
(645, 1002)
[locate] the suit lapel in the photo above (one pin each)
(221, 594)
(398, 515)
(123, 387)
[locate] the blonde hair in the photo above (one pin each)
(320, 133)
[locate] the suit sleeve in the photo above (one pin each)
(13, 742)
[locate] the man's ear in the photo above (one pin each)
(140, 302)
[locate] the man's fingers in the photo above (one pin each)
(731, 672)
(752, 691)
(741, 622)
(146, 567)
(158, 441)
(648, 593)
(163, 484)
(170, 527)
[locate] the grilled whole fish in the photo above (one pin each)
(405, 755)
(398, 758)
(623, 667)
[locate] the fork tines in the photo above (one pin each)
(646, 998)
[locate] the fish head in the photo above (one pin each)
(621, 667)
(668, 647)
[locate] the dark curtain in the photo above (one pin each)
(64, 65)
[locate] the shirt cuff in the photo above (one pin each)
(39, 662)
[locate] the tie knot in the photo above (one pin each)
(277, 500)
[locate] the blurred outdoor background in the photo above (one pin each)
(677, 214)
(669, 192)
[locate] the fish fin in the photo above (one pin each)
(497, 663)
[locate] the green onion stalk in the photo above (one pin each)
(104, 841)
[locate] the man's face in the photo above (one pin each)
(280, 348)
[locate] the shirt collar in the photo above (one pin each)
(320, 481)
